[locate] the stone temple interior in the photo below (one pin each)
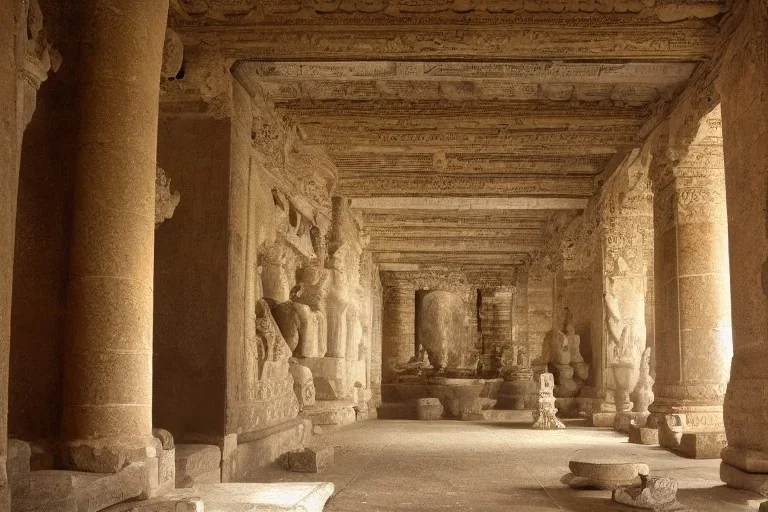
(383, 255)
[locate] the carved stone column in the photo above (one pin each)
(107, 414)
(744, 102)
(398, 326)
(625, 229)
(693, 314)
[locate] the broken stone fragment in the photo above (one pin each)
(653, 493)
(308, 460)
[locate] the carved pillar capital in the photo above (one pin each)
(202, 86)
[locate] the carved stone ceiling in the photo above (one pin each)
(460, 127)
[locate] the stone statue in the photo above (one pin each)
(338, 303)
(270, 344)
(303, 384)
(299, 310)
(544, 418)
(625, 342)
(581, 369)
(308, 300)
(643, 393)
(556, 353)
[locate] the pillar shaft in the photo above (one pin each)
(108, 380)
(693, 317)
(744, 102)
(398, 327)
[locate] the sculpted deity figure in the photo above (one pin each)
(269, 349)
(580, 368)
(338, 302)
(308, 300)
(626, 341)
(299, 310)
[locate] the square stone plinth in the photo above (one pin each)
(197, 464)
(643, 435)
(603, 419)
(702, 445)
(429, 409)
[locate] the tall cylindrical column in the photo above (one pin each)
(107, 416)
(693, 309)
(742, 79)
(398, 327)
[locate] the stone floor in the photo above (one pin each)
(396, 465)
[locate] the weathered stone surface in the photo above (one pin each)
(308, 460)
(71, 491)
(18, 465)
(256, 450)
(275, 497)
(643, 435)
(702, 445)
(654, 493)
(429, 409)
(544, 417)
(197, 463)
(601, 469)
(738, 479)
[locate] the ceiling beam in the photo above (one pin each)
(468, 203)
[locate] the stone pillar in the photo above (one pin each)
(107, 414)
(744, 102)
(398, 343)
(9, 182)
(693, 310)
(625, 227)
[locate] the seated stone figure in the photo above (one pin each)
(418, 363)
(302, 319)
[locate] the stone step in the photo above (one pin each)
(277, 497)
(197, 464)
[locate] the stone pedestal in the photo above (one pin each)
(107, 413)
(329, 375)
(518, 394)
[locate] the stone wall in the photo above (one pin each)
(191, 279)
(43, 225)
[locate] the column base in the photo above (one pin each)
(643, 435)
(106, 455)
(624, 420)
(701, 445)
(738, 479)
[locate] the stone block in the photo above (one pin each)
(196, 464)
(738, 479)
(702, 445)
(471, 410)
(73, 491)
(308, 460)
(603, 419)
(258, 449)
(764, 506)
(429, 409)
(18, 462)
(643, 435)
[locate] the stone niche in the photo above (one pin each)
(444, 333)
